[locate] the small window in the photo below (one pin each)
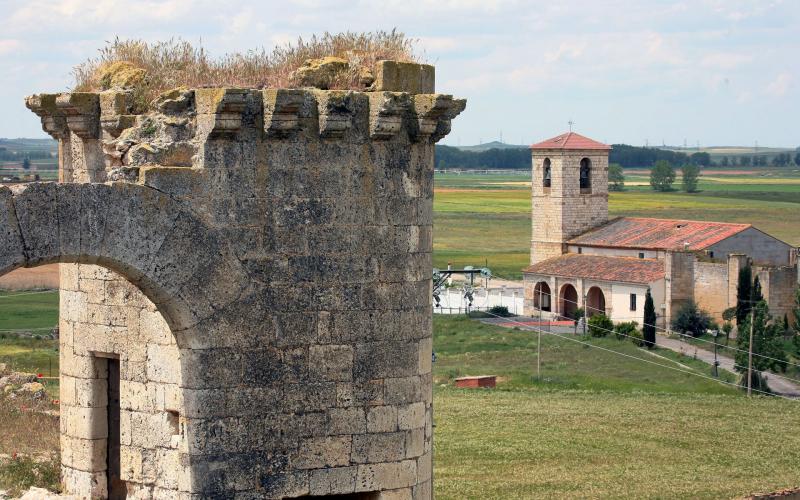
(546, 173)
(641, 255)
(586, 175)
(633, 302)
(711, 254)
(580, 249)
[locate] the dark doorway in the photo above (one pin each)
(569, 301)
(116, 486)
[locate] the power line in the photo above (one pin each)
(637, 338)
(673, 332)
(529, 328)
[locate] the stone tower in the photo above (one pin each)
(569, 189)
(245, 289)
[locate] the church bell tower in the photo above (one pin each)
(569, 189)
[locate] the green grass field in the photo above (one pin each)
(28, 311)
(38, 314)
(575, 444)
(598, 425)
(485, 219)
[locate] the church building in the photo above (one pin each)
(582, 259)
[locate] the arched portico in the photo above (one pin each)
(568, 301)
(595, 301)
(542, 296)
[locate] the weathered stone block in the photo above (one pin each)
(397, 76)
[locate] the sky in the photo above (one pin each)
(707, 72)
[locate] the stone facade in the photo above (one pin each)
(246, 306)
(564, 210)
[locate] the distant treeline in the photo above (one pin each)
(8, 155)
(450, 157)
(511, 158)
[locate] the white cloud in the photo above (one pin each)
(780, 85)
(9, 45)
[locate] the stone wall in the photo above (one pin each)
(778, 286)
(284, 238)
(563, 210)
(103, 316)
(711, 287)
(762, 248)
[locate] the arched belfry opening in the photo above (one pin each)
(586, 175)
(547, 173)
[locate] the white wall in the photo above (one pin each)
(620, 302)
(616, 252)
(453, 302)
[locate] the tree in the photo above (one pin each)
(616, 177)
(691, 320)
(743, 294)
(728, 315)
(662, 176)
(26, 163)
(744, 161)
(724, 162)
(649, 327)
(767, 344)
(756, 295)
(797, 158)
(702, 159)
(690, 175)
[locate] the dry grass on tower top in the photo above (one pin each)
(151, 68)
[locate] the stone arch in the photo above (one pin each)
(595, 301)
(585, 178)
(568, 301)
(547, 173)
(542, 296)
(135, 231)
(164, 259)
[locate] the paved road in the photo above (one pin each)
(778, 384)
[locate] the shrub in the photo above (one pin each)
(599, 325)
(626, 329)
(578, 314)
(638, 339)
(691, 320)
(155, 67)
(501, 311)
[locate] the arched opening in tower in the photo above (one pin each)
(586, 175)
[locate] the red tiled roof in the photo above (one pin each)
(570, 140)
(658, 234)
(601, 267)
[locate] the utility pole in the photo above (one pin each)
(750, 354)
(539, 340)
(585, 315)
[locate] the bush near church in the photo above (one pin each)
(600, 325)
